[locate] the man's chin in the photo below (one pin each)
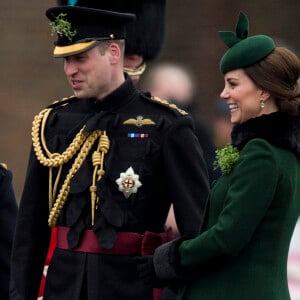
(80, 95)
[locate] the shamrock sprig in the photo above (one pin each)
(62, 27)
(226, 158)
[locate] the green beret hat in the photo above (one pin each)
(243, 50)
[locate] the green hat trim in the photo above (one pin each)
(243, 50)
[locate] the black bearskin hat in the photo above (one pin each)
(145, 35)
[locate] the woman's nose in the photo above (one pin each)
(224, 94)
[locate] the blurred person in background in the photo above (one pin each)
(293, 267)
(242, 249)
(8, 216)
(177, 84)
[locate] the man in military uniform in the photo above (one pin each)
(103, 168)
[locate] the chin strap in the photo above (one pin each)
(136, 72)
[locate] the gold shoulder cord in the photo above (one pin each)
(83, 141)
(167, 103)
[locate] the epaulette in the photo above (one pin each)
(3, 165)
(167, 103)
(63, 102)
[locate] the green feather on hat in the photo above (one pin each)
(243, 50)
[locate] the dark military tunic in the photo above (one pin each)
(159, 144)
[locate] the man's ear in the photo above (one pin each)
(114, 52)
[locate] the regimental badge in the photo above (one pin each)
(128, 182)
(139, 121)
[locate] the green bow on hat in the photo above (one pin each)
(243, 50)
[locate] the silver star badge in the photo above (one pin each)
(128, 182)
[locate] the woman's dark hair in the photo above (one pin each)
(278, 74)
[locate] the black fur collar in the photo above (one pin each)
(277, 128)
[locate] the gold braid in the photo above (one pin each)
(64, 191)
(54, 159)
(98, 160)
(83, 141)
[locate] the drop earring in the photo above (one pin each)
(262, 104)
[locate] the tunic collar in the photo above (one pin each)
(116, 99)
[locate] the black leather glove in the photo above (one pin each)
(147, 273)
(167, 262)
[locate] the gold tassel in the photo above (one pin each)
(98, 161)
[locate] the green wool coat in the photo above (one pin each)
(243, 248)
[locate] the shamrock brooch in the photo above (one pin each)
(226, 158)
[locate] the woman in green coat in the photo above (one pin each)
(241, 252)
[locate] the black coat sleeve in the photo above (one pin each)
(186, 175)
(8, 215)
(32, 234)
